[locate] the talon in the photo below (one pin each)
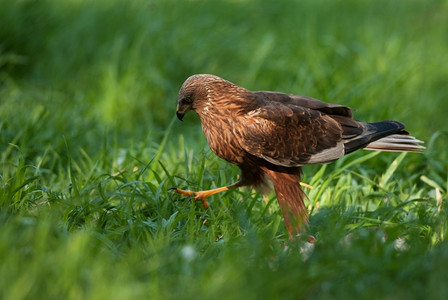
(182, 192)
(201, 196)
(198, 196)
(205, 204)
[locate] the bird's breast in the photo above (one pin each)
(220, 136)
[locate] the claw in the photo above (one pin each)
(204, 203)
(202, 195)
(182, 192)
(198, 196)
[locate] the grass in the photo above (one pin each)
(89, 147)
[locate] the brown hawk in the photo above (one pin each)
(271, 135)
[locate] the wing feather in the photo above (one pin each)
(307, 102)
(290, 135)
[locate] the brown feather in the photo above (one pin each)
(290, 199)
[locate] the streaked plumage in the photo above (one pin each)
(271, 135)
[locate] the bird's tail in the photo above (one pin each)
(290, 199)
(384, 136)
(396, 143)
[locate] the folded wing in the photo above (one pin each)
(292, 130)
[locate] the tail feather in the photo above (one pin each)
(290, 199)
(396, 143)
(384, 136)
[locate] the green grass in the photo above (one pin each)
(89, 146)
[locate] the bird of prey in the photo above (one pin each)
(271, 135)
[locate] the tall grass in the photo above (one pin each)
(89, 147)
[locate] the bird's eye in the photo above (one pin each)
(188, 100)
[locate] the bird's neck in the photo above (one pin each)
(225, 101)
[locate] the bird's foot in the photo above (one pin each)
(202, 195)
(198, 196)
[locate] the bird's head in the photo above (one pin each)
(195, 93)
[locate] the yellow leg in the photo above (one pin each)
(202, 195)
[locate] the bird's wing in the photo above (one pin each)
(340, 113)
(308, 102)
(290, 135)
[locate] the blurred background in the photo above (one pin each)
(77, 71)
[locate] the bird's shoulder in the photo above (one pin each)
(279, 112)
(301, 103)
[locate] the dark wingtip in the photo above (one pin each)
(387, 126)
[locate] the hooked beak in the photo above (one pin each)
(179, 114)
